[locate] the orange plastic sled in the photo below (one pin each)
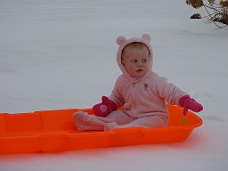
(54, 131)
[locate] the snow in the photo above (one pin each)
(58, 54)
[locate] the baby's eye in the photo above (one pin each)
(134, 61)
(144, 60)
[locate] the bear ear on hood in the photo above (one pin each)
(146, 37)
(120, 40)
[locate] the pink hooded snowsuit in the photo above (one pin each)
(148, 95)
(144, 98)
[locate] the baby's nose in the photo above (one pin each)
(139, 64)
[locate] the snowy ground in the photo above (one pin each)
(57, 54)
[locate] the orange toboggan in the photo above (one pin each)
(54, 131)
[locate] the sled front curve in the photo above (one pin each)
(54, 131)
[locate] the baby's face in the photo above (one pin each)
(136, 61)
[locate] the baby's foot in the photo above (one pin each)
(85, 122)
(80, 116)
(110, 126)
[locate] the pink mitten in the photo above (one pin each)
(188, 103)
(104, 108)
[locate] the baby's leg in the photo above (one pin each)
(84, 122)
(145, 122)
(119, 117)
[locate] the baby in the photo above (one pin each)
(142, 92)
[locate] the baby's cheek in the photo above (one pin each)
(130, 70)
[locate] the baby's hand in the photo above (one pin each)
(104, 108)
(188, 103)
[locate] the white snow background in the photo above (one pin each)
(58, 54)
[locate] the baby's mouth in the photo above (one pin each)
(139, 70)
